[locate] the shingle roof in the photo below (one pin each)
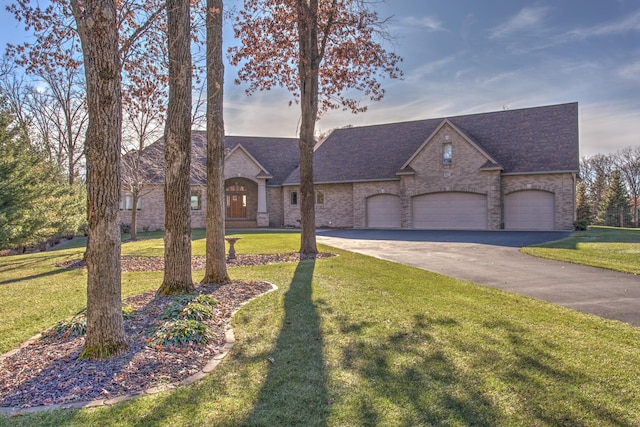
(529, 140)
(279, 156)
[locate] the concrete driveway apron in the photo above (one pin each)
(492, 258)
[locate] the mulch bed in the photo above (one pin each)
(131, 263)
(48, 371)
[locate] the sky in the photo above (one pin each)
(469, 56)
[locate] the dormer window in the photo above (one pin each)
(447, 153)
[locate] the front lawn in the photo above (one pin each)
(354, 340)
(605, 247)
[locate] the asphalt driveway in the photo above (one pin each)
(492, 258)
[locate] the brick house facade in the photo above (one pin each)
(513, 169)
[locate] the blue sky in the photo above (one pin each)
(469, 56)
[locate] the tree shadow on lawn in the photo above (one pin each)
(295, 390)
(404, 377)
(20, 265)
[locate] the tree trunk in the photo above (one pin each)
(135, 195)
(177, 154)
(216, 266)
(308, 68)
(99, 36)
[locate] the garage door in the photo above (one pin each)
(452, 211)
(529, 210)
(383, 211)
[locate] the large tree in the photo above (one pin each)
(319, 50)
(177, 146)
(216, 266)
(96, 22)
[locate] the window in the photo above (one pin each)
(196, 200)
(319, 198)
(447, 153)
(294, 197)
(236, 188)
(126, 203)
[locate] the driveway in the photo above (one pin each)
(492, 258)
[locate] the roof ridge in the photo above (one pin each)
(457, 116)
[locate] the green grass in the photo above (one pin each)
(605, 247)
(353, 341)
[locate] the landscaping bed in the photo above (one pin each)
(48, 370)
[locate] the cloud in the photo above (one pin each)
(528, 18)
(631, 71)
(428, 68)
(625, 25)
(426, 22)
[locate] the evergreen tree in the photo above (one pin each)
(36, 203)
(614, 207)
(583, 204)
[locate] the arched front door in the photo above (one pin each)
(236, 206)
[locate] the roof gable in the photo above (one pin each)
(453, 127)
(263, 172)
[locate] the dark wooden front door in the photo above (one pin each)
(236, 205)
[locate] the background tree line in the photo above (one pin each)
(608, 192)
(38, 202)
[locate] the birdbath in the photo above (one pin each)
(232, 251)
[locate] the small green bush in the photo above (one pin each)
(197, 311)
(174, 309)
(181, 332)
(71, 328)
(77, 325)
(206, 300)
(204, 305)
(581, 225)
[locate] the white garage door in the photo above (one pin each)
(383, 211)
(529, 210)
(452, 211)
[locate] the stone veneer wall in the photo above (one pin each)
(152, 210)
(275, 206)
(151, 213)
(562, 185)
(291, 212)
(336, 211)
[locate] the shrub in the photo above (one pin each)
(581, 225)
(205, 299)
(71, 328)
(77, 325)
(125, 228)
(199, 307)
(197, 311)
(181, 332)
(175, 307)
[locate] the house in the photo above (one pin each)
(512, 169)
